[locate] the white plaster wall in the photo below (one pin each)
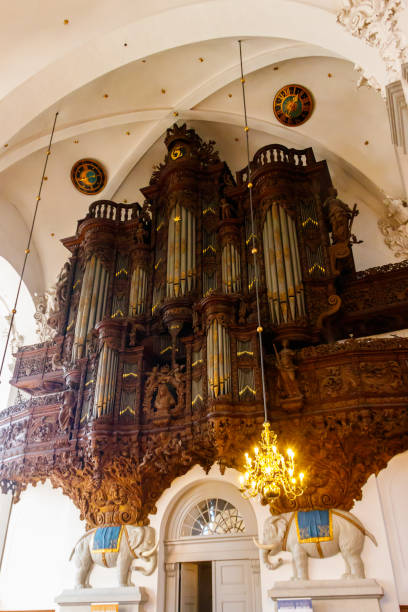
(5, 509)
(44, 526)
(13, 240)
(393, 488)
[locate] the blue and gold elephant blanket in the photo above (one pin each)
(107, 539)
(314, 526)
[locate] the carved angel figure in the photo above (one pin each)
(164, 393)
(287, 373)
(339, 215)
(67, 411)
(61, 291)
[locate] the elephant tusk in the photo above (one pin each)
(149, 553)
(261, 546)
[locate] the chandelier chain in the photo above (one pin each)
(268, 473)
(253, 235)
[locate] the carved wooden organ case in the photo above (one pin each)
(155, 363)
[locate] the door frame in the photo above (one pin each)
(178, 549)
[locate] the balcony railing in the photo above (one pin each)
(277, 154)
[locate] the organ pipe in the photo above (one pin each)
(105, 382)
(92, 303)
(246, 384)
(231, 269)
(282, 266)
(218, 360)
(181, 252)
(138, 290)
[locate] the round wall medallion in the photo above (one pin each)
(293, 105)
(88, 176)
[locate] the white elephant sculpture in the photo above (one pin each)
(280, 533)
(135, 543)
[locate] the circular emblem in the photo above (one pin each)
(177, 152)
(293, 105)
(88, 176)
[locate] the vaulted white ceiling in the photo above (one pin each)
(120, 73)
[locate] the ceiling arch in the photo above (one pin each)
(285, 50)
(79, 64)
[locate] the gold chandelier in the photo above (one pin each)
(268, 473)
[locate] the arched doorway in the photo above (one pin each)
(210, 559)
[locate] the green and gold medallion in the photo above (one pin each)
(293, 105)
(88, 176)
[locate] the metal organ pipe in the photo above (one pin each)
(282, 266)
(138, 290)
(181, 252)
(92, 303)
(218, 360)
(105, 382)
(231, 269)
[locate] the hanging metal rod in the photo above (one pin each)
(254, 247)
(27, 250)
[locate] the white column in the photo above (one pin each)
(172, 579)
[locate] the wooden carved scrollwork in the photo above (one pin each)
(156, 364)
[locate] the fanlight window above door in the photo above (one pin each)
(212, 516)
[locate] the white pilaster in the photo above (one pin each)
(6, 500)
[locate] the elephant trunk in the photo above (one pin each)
(149, 567)
(266, 551)
(148, 553)
(270, 564)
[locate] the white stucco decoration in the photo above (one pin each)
(16, 339)
(44, 306)
(376, 22)
(280, 533)
(394, 226)
(135, 543)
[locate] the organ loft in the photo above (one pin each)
(154, 363)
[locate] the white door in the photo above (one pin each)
(189, 587)
(232, 586)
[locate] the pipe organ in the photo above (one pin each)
(231, 269)
(218, 360)
(138, 292)
(155, 366)
(92, 303)
(105, 382)
(181, 252)
(283, 273)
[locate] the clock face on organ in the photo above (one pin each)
(293, 105)
(177, 151)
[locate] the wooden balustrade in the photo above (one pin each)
(277, 154)
(104, 209)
